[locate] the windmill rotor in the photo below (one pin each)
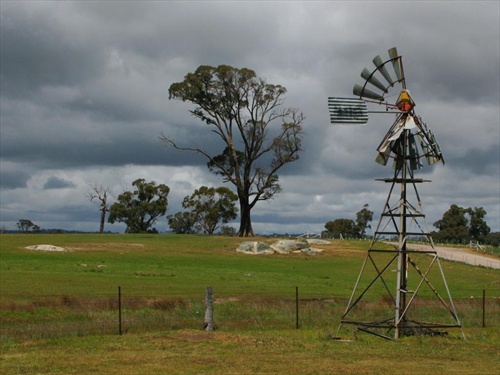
(381, 72)
(377, 84)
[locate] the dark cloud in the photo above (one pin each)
(480, 161)
(13, 180)
(54, 182)
(41, 51)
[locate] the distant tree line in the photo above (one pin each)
(461, 225)
(209, 208)
(348, 228)
(206, 209)
(458, 226)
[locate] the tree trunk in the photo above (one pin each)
(103, 218)
(245, 220)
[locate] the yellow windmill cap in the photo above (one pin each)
(405, 103)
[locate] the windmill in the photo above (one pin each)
(419, 274)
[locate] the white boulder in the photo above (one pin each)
(254, 247)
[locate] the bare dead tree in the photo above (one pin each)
(101, 194)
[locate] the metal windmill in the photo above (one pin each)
(408, 142)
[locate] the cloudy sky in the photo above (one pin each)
(84, 99)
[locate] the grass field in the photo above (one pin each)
(58, 310)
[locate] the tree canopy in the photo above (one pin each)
(478, 229)
(26, 225)
(139, 209)
(241, 108)
(363, 218)
(350, 228)
(211, 207)
(182, 222)
(342, 228)
(460, 225)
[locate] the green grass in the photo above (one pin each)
(161, 266)
(268, 352)
(58, 310)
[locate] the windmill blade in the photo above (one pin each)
(369, 77)
(424, 144)
(385, 142)
(363, 92)
(414, 155)
(435, 148)
(382, 158)
(397, 64)
(380, 64)
(397, 132)
(440, 154)
(428, 142)
(399, 158)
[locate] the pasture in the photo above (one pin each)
(58, 310)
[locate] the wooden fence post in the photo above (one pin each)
(119, 311)
(484, 308)
(209, 309)
(296, 307)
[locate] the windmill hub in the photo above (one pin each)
(405, 103)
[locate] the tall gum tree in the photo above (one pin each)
(241, 109)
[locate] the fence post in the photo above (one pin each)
(209, 309)
(296, 307)
(119, 311)
(484, 308)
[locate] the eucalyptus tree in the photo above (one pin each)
(139, 209)
(363, 218)
(460, 225)
(453, 226)
(478, 229)
(26, 225)
(242, 109)
(182, 222)
(342, 228)
(211, 207)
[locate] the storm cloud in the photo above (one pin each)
(84, 99)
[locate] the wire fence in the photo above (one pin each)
(60, 316)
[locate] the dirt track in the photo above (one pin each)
(464, 255)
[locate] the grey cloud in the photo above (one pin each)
(480, 161)
(38, 51)
(13, 180)
(54, 182)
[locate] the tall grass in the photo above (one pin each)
(83, 316)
